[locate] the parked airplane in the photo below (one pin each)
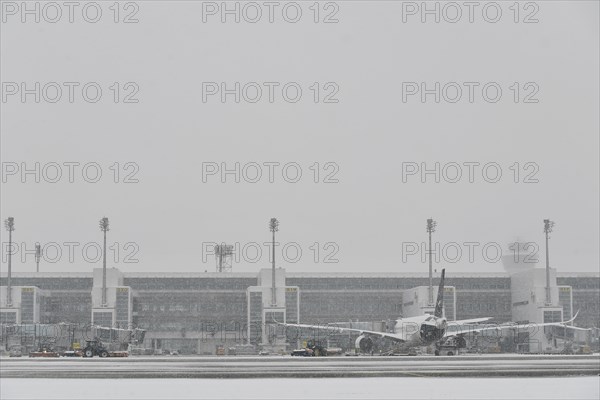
(426, 329)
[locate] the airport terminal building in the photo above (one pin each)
(197, 312)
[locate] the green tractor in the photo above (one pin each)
(94, 348)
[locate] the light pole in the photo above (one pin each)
(431, 224)
(38, 255)
(9, 224)
(273, 227)
(104, 229)
(548, 225)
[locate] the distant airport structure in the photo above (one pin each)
(198, 312)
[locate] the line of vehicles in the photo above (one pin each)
(92, 348)
(71, 340)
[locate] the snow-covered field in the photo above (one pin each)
(329, 388)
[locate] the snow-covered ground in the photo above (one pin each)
(328, 388)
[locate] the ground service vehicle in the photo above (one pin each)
(302, 353)
(15, 352)
(44, 352)
(94, 348)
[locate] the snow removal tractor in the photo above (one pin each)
(94, 348)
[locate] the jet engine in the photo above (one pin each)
(364, 344)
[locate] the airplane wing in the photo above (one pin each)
(463, 330)
(338, 329)
(468, 321)
(576, 328)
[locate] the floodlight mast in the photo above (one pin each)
(273, 227)
(548, 226)
(431, 224)
(219, 258)
(38, 256)
(9, 224)
(104, 228)
(223, 254)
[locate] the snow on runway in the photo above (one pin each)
(331, 388)
(300, 367)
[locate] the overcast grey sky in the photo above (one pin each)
(372, 213)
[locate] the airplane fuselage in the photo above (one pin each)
(421, 330)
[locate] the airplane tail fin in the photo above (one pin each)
(439, 304)
(572, 319)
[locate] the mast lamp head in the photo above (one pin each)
(273, 225)
(9, 224)
(104, 224)
(431, 224)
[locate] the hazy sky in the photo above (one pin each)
(371, 217)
